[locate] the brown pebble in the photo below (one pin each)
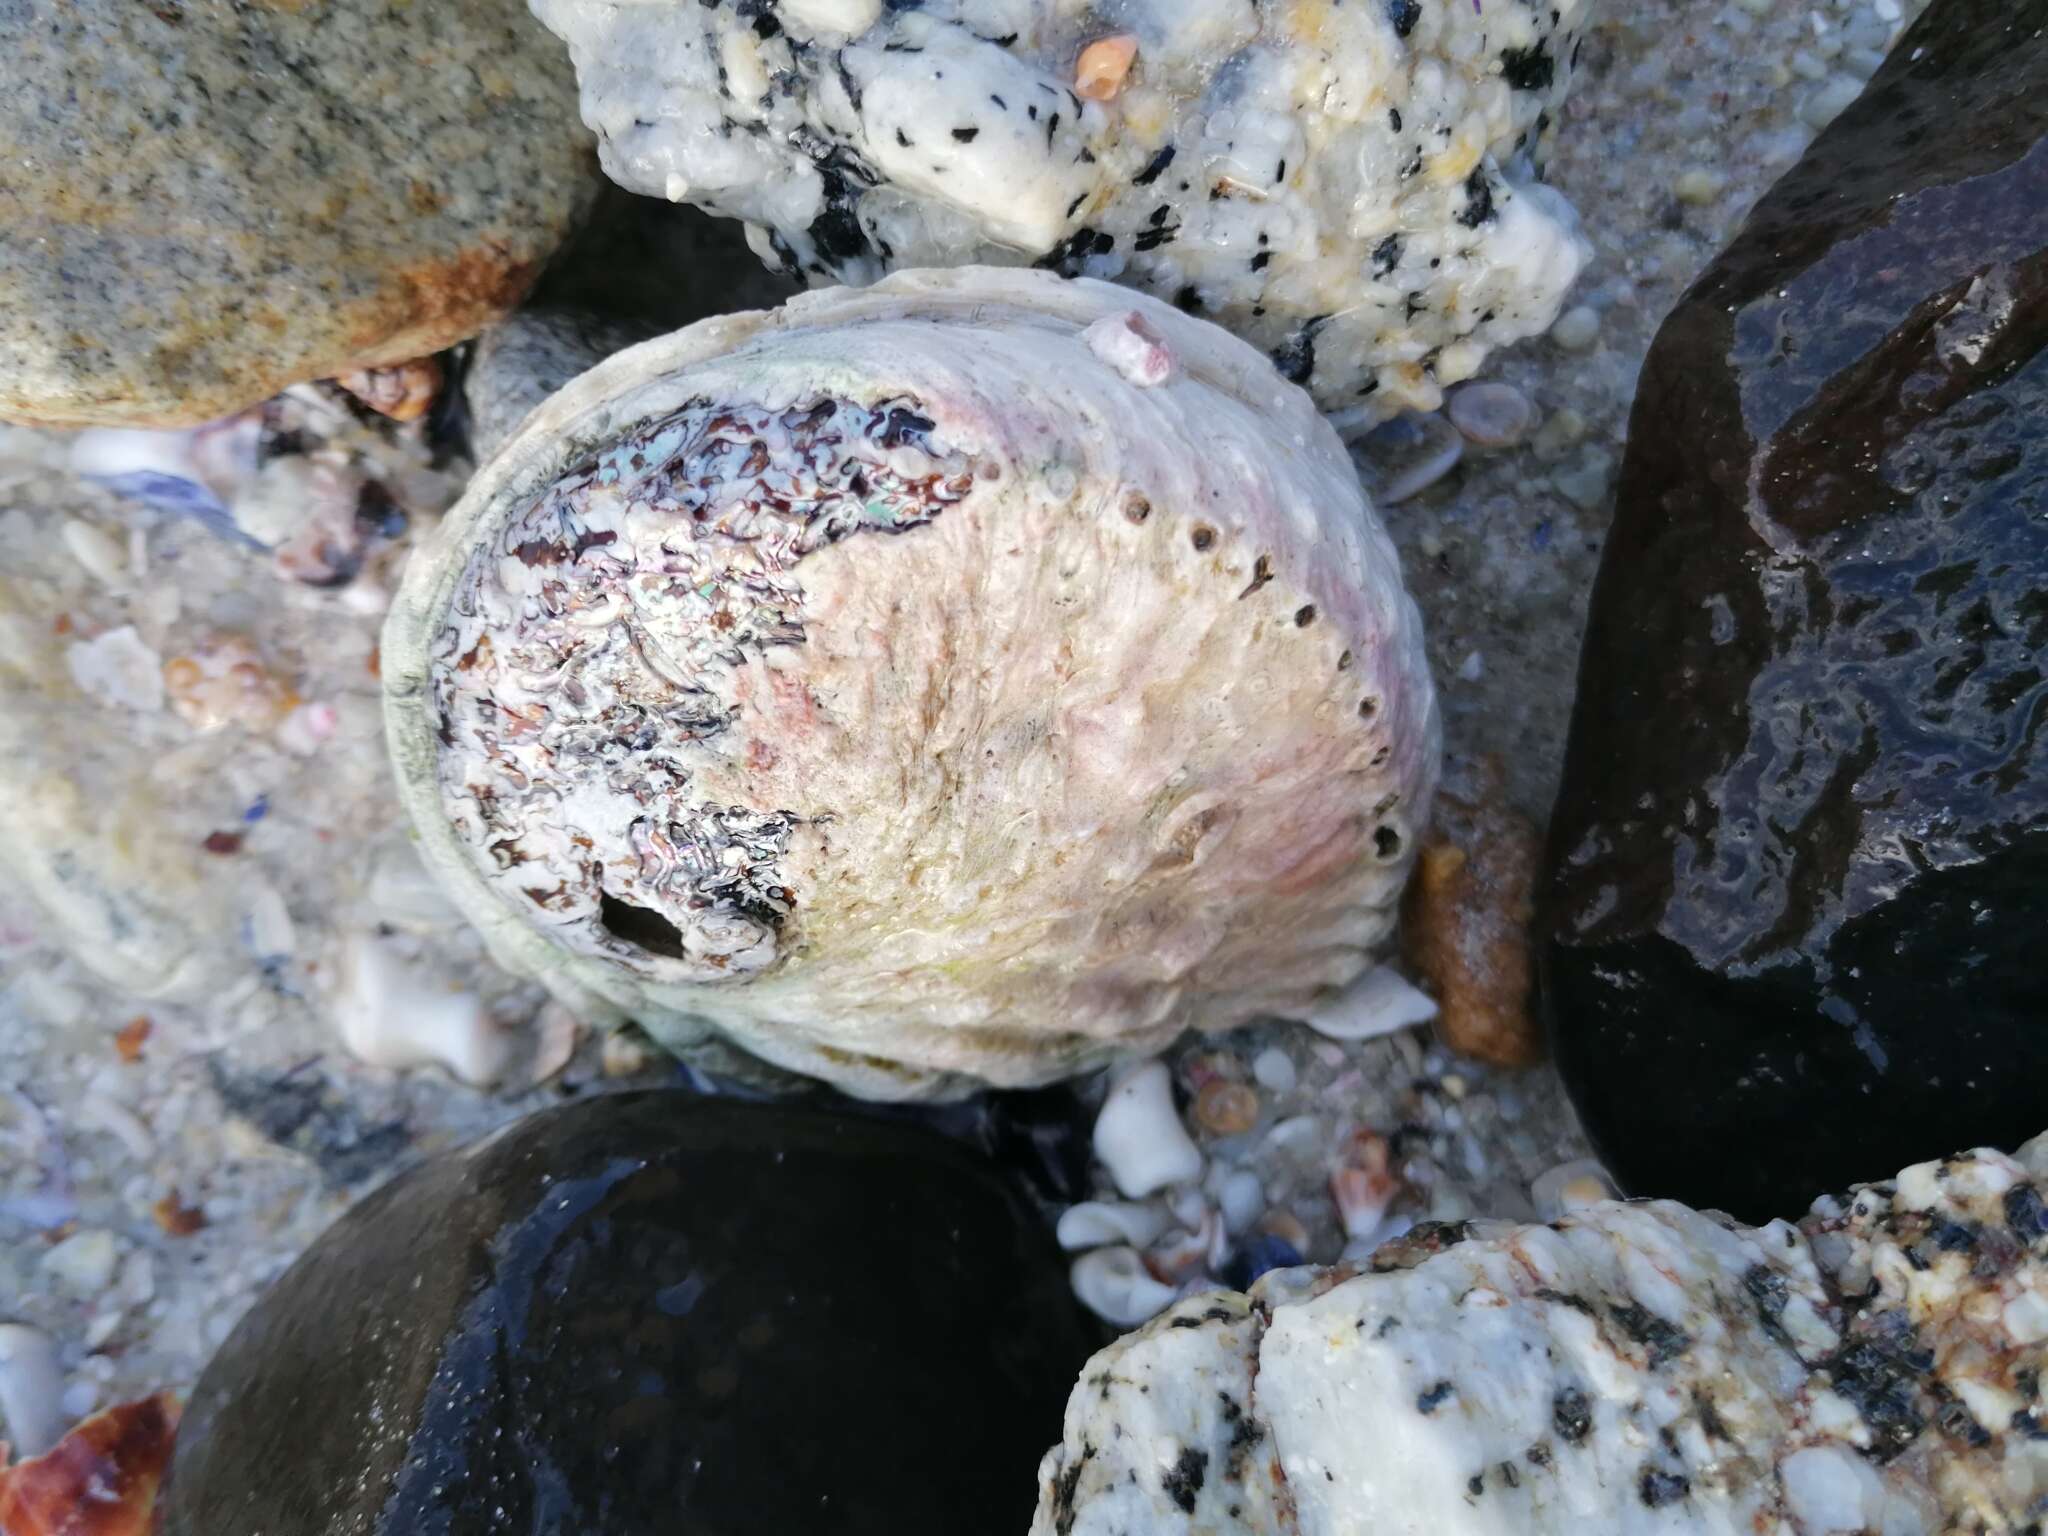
(404, 392)
(222, 842)
(129, 1037)
(176, 1217)
(1224, 1108)
(99, 1480)
(1099, 74)
(1465, 921)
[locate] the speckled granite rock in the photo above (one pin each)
(646, 1314)
(1352, 188)
(203, 203)
(1638, 1369)
(1796, 866)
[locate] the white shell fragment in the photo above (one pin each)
(1629, 1368)
(394, 1011)
(1097, 1223)
(891, 686)
(32, 1416)
(1114, 1284)
(1139, 1137)
(1352, 188)
(1377, 1003)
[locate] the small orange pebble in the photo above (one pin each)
(99, 1480)
(376, 663)
(1465, 919)
(1099, 74)
(176, 1217)
(61, 625)
(404, 391)
(129, 1037)
(1224, 1108)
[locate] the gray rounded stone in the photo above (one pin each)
(203, 203)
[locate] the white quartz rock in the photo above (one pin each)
(394, 1011)
(1607, 1372)
(1352, 188)
(894, 688)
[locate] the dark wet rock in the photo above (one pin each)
(638, 268)
(1798, 864)
(650, 1314)
(204, 203)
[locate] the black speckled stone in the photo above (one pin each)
(1799, 866)
(203, 202)
(650, 1314)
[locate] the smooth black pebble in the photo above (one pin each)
(650, 1314)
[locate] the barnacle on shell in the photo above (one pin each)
(968, 679)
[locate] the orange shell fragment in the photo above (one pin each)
(99, 1480)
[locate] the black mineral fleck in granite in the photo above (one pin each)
(1797, 865)
(650, 1314)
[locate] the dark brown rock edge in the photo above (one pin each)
(1799, 860)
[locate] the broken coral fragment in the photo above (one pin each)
(827, 680)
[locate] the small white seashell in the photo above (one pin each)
(1378, 1003)
(1493, 415)
(1569, 1187)
(392, 1011)
(118, 669)
(1298, 1133)
(1096, 1223)
(1185, 1204)
(1190, 1251)
(1241, 1196)
(83, 1264)
(556, 1029)
(1273, 1069)
(1114, 1284)
(97, 550)
(31, 1390)
(1132, 348)
(1139, 1137)
(1577, 328)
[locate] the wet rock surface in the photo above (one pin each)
(652, 1313)
(637, 268)
(204, 204)
(1795, 866)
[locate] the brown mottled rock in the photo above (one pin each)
(203, 203)
(1465, 921)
